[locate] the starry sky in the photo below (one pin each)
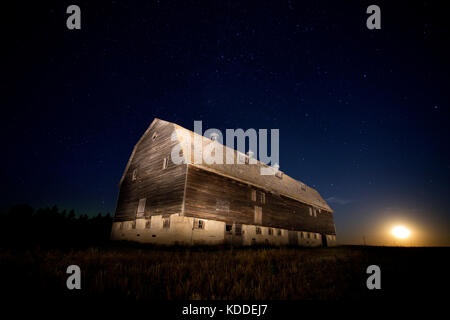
(363, 114)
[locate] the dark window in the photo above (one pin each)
(133, 224)
(148, 224)
(270, 231)
(166, 223)
(261, 197)
(279, 232)
(258, 230)
(199, 224)
(238, 229)
(229, 228)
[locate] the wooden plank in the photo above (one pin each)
(204, 188)
(163, 188)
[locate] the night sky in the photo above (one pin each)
(363, 114)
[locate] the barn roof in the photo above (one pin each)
(246, 173)
(250, 173)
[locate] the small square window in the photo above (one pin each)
(261, 197)
(242, 159)
(199, 224)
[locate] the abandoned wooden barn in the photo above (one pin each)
(191, 203)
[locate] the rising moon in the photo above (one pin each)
(401, 232)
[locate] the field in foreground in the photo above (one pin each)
(141, 272)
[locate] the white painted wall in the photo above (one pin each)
(309, 239)
(182, 231)
(250, 237)
(331, 240)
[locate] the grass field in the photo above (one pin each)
(203, 273)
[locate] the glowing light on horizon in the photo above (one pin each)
(401, 232)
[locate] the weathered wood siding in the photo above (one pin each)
(162, 188)
(207, 194)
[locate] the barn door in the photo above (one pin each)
(293, 238)
(324, 240)
(233, 234)
(228, 233)
(237, 236)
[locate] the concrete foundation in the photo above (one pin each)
(176, 229)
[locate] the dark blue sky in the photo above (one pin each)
(363, 115)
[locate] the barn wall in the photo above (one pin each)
(250, 236)
(215, 197)
(162, 188)
(180, 231)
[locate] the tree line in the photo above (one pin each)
(22, 225)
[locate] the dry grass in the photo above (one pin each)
(137, 272)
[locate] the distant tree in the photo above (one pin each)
(51, 227)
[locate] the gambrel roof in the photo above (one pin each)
(246, 173)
